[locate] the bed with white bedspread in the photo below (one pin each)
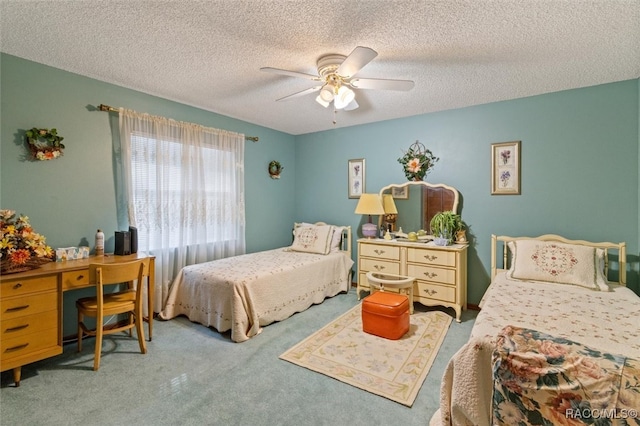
(244, 293)
(558, 288)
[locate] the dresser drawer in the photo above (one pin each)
(20, 287)
(10, 328)
(376, 265)
(26, 345)
(28, 305)
(429, 273)
(436, 292)
(73, 279)
(380, 252)
(431, 257)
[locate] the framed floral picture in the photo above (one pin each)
(505, 168)
(355, 177)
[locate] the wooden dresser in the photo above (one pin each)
(31, 308)
(440, 272)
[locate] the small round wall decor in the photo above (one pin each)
(44, 144)
(275, 168)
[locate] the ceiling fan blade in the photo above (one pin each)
(382, 84)
(353, 105)
(290, 73)
(357, 59)
(301, 93)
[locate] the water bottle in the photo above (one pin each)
(99, 243)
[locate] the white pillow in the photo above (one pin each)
(535, 260)
(337, 238)
(313, 239)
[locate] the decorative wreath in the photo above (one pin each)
(275, 168)
(44, 144)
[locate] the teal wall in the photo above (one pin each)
(67, 199)
(580, 161)
(579, 168)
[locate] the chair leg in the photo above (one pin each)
(140, 330)
(96, 358)
(80, 318)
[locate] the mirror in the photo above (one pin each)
(415, 203)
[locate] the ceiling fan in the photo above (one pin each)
(336, 77)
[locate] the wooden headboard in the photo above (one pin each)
(621, 248)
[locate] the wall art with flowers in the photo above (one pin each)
(44, 144)
(505, 168)
(417, 161)
(21, 248)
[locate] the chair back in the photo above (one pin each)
(102, 274)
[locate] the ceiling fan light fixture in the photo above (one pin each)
(326, 93)
(322, 101)
(343, 97)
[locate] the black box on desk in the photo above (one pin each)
(123, 243)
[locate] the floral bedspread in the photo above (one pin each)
(245, 292)
(542, 379)
(608, 321)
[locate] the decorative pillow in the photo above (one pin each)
(535, 260)
(337, 238)
(313, 239)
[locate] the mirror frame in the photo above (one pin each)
(456, 198)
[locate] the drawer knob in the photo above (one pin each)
(18, 328)
(17, 308)
(379, 252)
(80, 277)
(430, 258)
(17, 348)
(17, 286)
(430, 292)
(378, 267)
(430, 274)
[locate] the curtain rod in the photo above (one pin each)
(107, 108)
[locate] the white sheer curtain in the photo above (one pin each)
(185, 192)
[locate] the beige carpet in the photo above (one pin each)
(394, 369)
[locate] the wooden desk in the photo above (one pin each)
(31, 307)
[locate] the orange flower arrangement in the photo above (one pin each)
(20, 247)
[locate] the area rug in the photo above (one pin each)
(394, 369)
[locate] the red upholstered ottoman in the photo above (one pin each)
(386, 314)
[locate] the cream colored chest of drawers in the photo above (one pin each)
(440, 272)
(29, 321)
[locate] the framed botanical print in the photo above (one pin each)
(355, 178)
(505, 168)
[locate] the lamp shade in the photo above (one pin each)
(388, 204)
(369, 204)
(343, 97)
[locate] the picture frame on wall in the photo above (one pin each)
(400, 193)
(356, 177)
(505, 168)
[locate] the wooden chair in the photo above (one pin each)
(128, 301)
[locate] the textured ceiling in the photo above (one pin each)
(209, 53)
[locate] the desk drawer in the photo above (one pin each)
(27, 344)
(380, 252)
(10, 328)
(20, 287)
(431, 257)
(436, 292)
(376, 265)
(29, 305)
(75, 279)
(427, 273)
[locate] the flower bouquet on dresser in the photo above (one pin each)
(21, 248)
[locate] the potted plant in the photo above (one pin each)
(444, 227)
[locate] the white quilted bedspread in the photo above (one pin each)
(245, 292)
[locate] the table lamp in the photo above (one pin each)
(369, 204)
(390, 212)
